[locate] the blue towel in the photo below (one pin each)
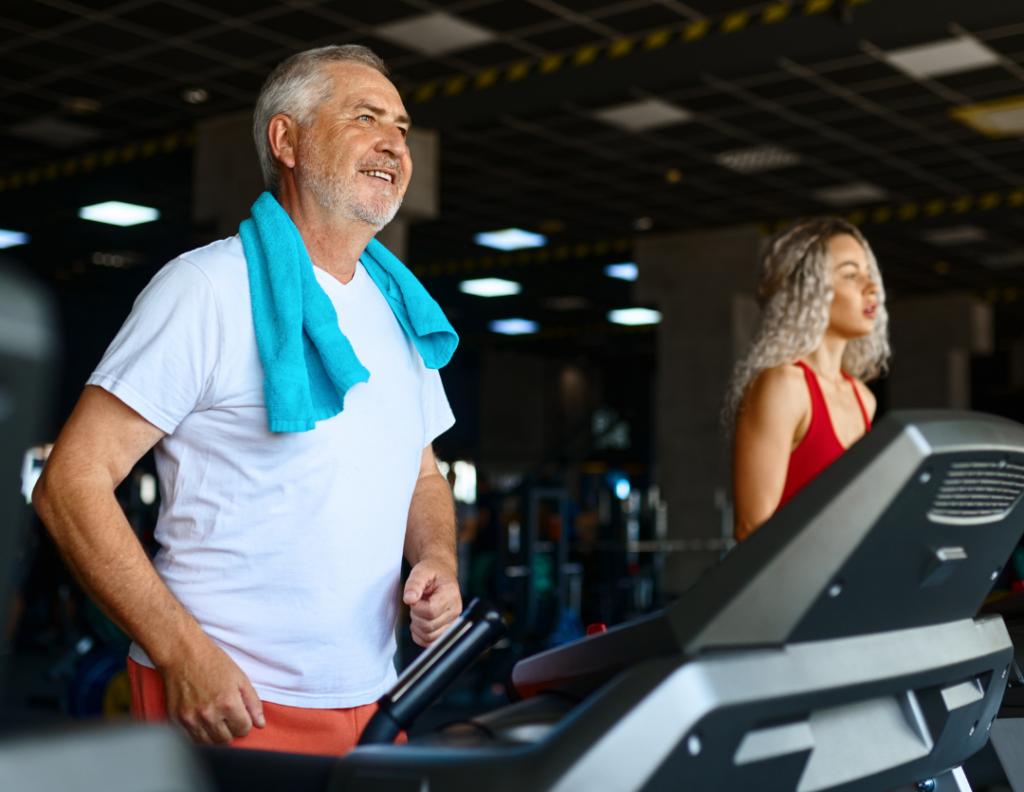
(308, 362)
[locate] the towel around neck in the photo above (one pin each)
(308, 362)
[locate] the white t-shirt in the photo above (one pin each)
(286, 548)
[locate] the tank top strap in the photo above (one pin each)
(818, 406)
(863, 409)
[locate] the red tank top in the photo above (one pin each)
(820, 447)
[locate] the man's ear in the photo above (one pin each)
(283, 134)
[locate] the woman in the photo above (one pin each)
(798, 399)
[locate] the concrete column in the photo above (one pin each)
(226, 179)
(933, 339)
(703, 283)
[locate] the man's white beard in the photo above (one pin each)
(335, 193)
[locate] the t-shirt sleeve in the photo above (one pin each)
(437, 413)
(163, 361)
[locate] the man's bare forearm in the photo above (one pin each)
(86, 522)
(430, 533)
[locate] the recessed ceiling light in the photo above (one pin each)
(626, 271)
(1011, 258)
(490, 287)
(55, 132)
(757, 159)
(119, 213)
(435, 34)
(643, 115)
(939, 58)
(195, 95)
(12, 238)
(954, 235)
(850, 194)
(996, 119)
(513, 326)
(634, 316)
(510, 239)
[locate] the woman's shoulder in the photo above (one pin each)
(784, 378)
(782, 386)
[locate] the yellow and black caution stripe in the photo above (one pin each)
(95, 160)
(917, 210)
(762, 14)
(874, 215)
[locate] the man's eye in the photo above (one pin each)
(368, 118)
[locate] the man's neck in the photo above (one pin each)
(334, 242)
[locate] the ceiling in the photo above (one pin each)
(540, 111)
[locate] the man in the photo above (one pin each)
(273, 598)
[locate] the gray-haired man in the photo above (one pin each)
(272, 602)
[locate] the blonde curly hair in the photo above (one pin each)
(795, 294)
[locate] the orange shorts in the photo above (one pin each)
(329, 732)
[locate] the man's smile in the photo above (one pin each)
(379, 174)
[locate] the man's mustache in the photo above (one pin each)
(383, 162)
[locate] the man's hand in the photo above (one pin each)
(210, 696)
(432, 594)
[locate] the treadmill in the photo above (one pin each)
(838, 648)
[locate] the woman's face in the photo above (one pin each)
(855, 302)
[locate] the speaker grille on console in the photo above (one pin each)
(977, 492)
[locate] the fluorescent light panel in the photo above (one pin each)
(996, 119)
(939, 58)
(643, 115)
(490, 287)
(513, 326)
(119, 213)
(757, 159)
(626, 271)
(435, 34)
(634, 316)
(850, 194)
(12, 238)
(510, 239)
(954, 235)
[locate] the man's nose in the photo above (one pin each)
(393, 142)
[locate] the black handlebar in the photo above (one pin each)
(476, 630)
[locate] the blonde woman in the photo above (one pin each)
(798, 400)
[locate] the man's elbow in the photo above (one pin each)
(41, 500)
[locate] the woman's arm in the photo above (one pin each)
(774, 415)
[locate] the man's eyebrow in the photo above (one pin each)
(402, 119)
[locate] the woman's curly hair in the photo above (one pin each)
(795, 294)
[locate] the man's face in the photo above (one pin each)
(353, 157)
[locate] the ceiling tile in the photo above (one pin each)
(240, 44)
(940, 58)
(653, 16)
(435, 33)
(166, 18)
(508, 15)
(34, 15)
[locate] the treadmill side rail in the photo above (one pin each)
(856, 714)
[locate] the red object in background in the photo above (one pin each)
(1018, 586)
(596, 628)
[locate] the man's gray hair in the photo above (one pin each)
(297, 88)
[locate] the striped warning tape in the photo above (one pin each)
(92, 161)
(915, 210)
(762, 14)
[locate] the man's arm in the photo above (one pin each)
(103, 439)
(432, 590)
